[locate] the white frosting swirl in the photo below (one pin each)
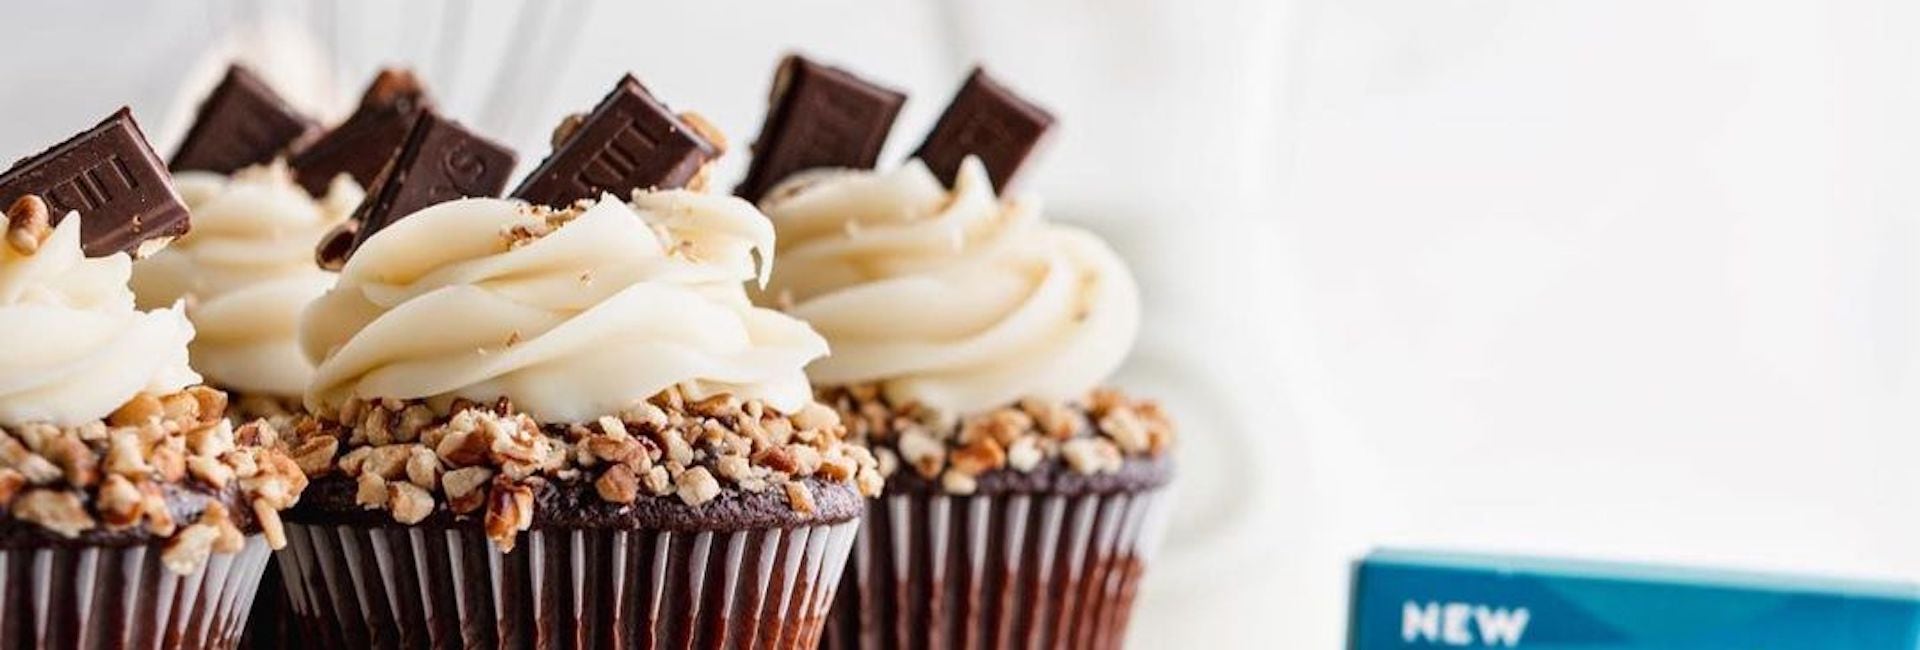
(246, 269)
(957, 300)
(78, 348)
(613, 306)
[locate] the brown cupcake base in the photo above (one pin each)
(360, 586)
(1007, 568)
(122, 597)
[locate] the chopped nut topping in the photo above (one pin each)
(955, 481)
(618, 485)
(211, 470)
(1024, 455)
(189, 549)
(57, 510)
(1095, 435)
(116, 473)
(509, 511)
(490, 457)
(1091, 455)
(315, 455)
(799, 496)
(142, 409)
(210, 404)
(697, 486)
(28, 224)
(464, 488)
(409, 503)
(423, 466)
(11, 482)
(658, 481)
(925, 454)
(979, 457)
(119, 502)
(270, 525)
(370, 491)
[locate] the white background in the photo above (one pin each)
(1622, 279)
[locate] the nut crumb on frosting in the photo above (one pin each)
(111, 474)
(1093, 435)
(485, 459)
(28, 224)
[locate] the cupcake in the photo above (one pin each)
(972, 340)
(245, 272)
(540, 426)
(247, 268)
(133, 513)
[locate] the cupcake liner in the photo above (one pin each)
(270, 625)
(999, 571)
(424, 587)
(108, 597)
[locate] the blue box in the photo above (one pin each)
(1413, 599)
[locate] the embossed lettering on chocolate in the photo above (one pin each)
(631, 141)
(110, 174)
(441, 161)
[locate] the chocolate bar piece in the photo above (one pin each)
(819, 116)
(440, 161)
(988, 120)
(110, 175)
(631, 141)
(241, 123)
(361, 145)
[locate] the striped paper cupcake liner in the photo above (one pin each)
(123, 597)
(270, 625)
(419, 587)
(1001, 571)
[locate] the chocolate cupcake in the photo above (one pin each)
(133, 513)
(543, 426)
(248, 268)
(971, 339)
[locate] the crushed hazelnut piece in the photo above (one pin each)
(800, 497)
(618, 485)
(465, 488)
(371, 491)
(119, 502)
(142, 409)
(189, 549)
(11, 482)
(697, 486)
(658, 481)
(271, 527)
(28, 224)
(509, 511)
(955, 481)
(926, 455)
(423, 466)
(55, 510)
(409, 503)
(315, 455)
(979, 457)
